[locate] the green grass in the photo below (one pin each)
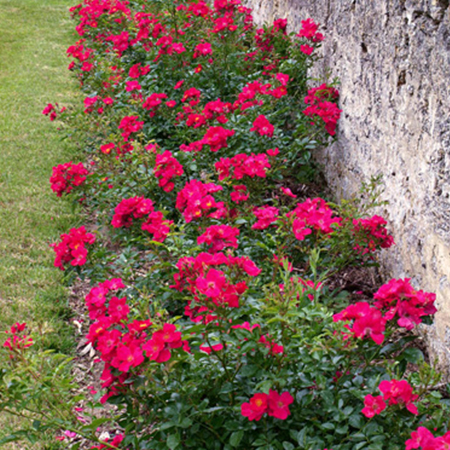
(34, 35)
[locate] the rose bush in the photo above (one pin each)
(210, 312)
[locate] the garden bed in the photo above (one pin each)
(228, 307)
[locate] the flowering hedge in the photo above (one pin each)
(210, 313)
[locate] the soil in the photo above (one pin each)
(87, 367)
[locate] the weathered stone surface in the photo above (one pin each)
(393, 61)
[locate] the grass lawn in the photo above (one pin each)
(34, 35)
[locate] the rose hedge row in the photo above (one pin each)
(211, 315)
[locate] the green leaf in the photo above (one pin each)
(236, 438)
(249, 370)
(166, 425)
(173, 441)
(265, 386)
(186, 423)
(301, 437)
(387, 349)
(31, 437)
(359, 436)
(288, 446)
(226, 389)
(372, 428)
(96, 423)
(214, 409)
(412, 355)
(342, 430)
(348, 410)
(10, 438)
(355, 420)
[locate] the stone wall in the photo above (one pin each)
(393, 61)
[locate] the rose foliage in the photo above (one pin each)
(210, 311)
